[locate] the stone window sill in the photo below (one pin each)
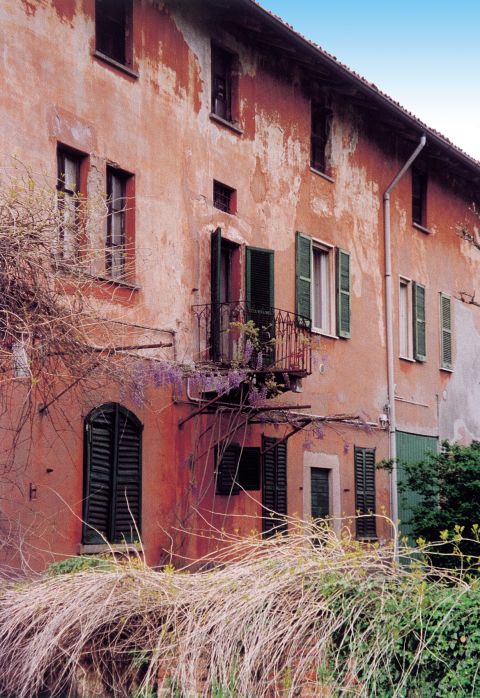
(322, 174)
(422, 228)
(115, 64)
(101, 548)
(228, 124)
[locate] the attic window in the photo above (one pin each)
(321, 119)
(222, 70)
(419, 198)
(224, 197)
(113, 34)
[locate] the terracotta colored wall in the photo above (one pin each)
(157, 126)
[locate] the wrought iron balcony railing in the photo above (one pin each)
(261, 339)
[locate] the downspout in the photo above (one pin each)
(389, 334)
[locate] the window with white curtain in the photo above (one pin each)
(321, 289)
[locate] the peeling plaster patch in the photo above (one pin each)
(29, 7)
(460, 412)
(357, 202)
(258, 184)
(320, 206)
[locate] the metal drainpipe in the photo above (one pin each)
(389, 333)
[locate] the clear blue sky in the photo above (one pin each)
(424, 54)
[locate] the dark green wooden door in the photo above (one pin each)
(411, 448)
(320, 493)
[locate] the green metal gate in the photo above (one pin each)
(411, 448)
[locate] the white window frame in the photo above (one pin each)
(324, 247)
(405, 282)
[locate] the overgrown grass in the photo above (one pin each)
(271, 618)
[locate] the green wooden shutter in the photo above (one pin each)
(126, 505)
(216, 265)
(99, 448)
(113, 463)
(274, 487)
(365, 492)
(419, 323)
(260, 298)
(343, 294)
(249, 468)
(227, 469)
(303, 275)
(411, 448)
(446, 331)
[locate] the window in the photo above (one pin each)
(274, 486)
(224, 197)
(222, 69)
(405, 319)
(68, 189)
(320, 493)
(321, 119)
(237, 469)
(446, 348)
(365, 492)
(113, 19)
(323, 286)
(419, 198)
(412, 320)
(112, 479)
(321, 297)
(116, 222)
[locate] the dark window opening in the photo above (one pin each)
(419, 197)
(112, 478)
(223, 197)
(113, 29)
(116, 222)
(68, 188)
(320, 493)
(222, 68)
(237, 468)
(320, 135)
(365, 492)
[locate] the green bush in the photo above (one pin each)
(71, 565)
(449, 510)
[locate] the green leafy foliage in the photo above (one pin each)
(78, 564)
(449, 510)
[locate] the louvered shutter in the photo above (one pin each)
(419, 323)
(303, 274)
(274, 487)
(249, 468)
(343, 294)
(227, 460)
(320, 493)
(446, 331)
(126, 506)
(365, 492)
(113, 463)
(216, 265)
(99, 442)
(260, 298)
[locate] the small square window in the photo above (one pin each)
(419, 198)
(321, 119)
(113, 35)
(224, 197)
(222, 69)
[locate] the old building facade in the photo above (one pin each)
(254, 166)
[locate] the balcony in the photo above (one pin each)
(263, 340)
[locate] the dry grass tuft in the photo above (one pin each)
(262, 622)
